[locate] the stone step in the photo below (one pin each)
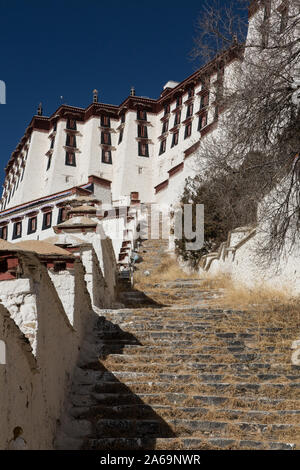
(111, 383)
(189, 338)
(187, 312)
(140, 358)
(206, 330)
(132, 428)
(184, 443)
(195, 377)
(260, 374)
(222, 444)
(112, 393)
(214, 324)
(154, 350)
(111, 359)
(263, 403)
(203, 347)
(94, 376)
(176, 427)
(187, 375)
(227, 358)
(280, 390)
(190, 310)
(210, 359)
(184, 320)
(218, 320)
(139, 411)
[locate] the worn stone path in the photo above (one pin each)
(183, 376)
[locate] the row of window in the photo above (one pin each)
(32, 224)
(11, 192)
(104, 121)
(189, 112)
(72, 123)
(70, 158)
(70, 142)
(187, 133)
(191, 92)
(143, 148)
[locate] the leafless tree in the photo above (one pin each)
(259, 118)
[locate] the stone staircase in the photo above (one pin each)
(183, 377)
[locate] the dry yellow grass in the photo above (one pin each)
(169, 270)
(269, 303)
(214, 282)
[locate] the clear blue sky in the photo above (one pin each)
(68, 48)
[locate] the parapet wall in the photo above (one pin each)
(45, 312)
(239, 257)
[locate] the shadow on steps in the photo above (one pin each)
(119, 418)
(134, 298)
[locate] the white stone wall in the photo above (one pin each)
(34, 169)
(94, 279)
(20, 300)
(33, 384)
(239, 258)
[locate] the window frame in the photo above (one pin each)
(72, 128)
(70, 137)
(142, 129)
(103, 159)
(60, 218)
(4, 228)
(178, 101)
(140, 147)
(200, 126)
(177, 118)
(29, 226)
(105, 120)
(15, 230)
(189, 110)
(49, 162)
(46, 225)
(191, 92)
(163, 146)
(187, 133)
(105, 135)
(175, 139)
(73, 160)
(203, 99)
(141, 115)
(165, 126)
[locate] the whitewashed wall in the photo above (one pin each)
(33, 384)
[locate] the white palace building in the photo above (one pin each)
(78, 189)
(141, 150)
(137, 153)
